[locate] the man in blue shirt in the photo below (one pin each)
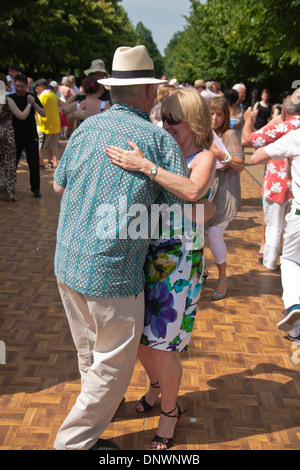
(102, 242)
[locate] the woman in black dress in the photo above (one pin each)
(264, 108)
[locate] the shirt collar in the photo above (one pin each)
(128, 108)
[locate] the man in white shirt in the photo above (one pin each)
(204, 91)
(288, 147)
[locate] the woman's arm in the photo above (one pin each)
(189, 189)
(235, 150)
(73, 97)
(16, 111)
(69, 108)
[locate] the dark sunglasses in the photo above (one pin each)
(170, 120)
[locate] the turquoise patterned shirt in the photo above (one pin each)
(101, 236)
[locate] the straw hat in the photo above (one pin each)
(96, 66)
(200, 83)
(131, 66)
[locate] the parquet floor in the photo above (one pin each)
(241, 375)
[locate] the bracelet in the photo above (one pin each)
(227, 159)
(29, 105)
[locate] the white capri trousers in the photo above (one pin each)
(216, 241)
(275, 213)
(106, 333)
(290, 261)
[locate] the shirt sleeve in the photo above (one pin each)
(269, 134)
(60, 175)
(233, 145)
(280, 148)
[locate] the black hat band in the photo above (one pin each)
(133, 74)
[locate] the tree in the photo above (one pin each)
(55, 37)
(229, 41)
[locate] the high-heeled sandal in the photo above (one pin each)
(205, 275)
(143, 402)
(12, 198)
(168, 441)
(219, 295)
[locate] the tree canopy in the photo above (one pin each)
(144, 36)
(57, 37)
(247, 41)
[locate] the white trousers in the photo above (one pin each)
(290, 261)
(106, 333)
(275, 213)
(216, 241)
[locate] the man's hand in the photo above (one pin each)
(30, 99)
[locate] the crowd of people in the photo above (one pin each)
(147, 141)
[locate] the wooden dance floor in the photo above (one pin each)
(241, 374)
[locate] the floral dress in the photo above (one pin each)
(173, 280)
(8, 152)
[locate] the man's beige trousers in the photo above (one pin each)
(106, 333)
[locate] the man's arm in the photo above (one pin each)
(58, 189)
(259, 156)
(249, 119)
(38, 107)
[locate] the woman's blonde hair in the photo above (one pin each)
(187, 105)
(164, 91)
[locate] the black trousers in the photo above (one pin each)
(31, 147)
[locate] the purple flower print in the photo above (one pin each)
(159, 309)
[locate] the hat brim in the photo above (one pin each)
(130, 81)
(91, 71)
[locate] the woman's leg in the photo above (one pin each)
(145, 357)
(219, 251)
(165, 367)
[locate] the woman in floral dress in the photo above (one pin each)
(8, 152)
(173, 267)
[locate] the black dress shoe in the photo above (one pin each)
(37, 194)
(104, 444)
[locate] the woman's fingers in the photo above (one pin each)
(114, 152)
(132, 145)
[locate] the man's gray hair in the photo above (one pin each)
(65, 81)
(120, 94)
(292, 103)
(239, 86)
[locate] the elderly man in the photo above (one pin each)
(98, 264)
(241, 89)
(288, 147)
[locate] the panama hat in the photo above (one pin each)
(131, 66)
(96, 66)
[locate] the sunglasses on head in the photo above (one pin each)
(170, 120)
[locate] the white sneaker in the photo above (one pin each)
(291, 315)
(294, 333)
